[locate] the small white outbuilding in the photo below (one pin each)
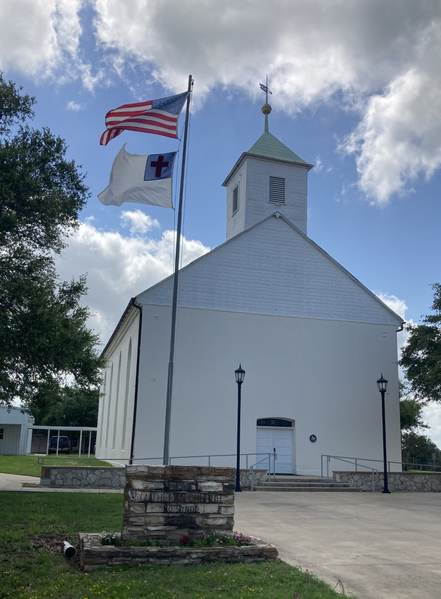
(14, 426)
(312, 339)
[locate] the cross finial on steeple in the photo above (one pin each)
(266, 108)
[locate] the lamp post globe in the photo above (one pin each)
(382, 388)
(240, 375)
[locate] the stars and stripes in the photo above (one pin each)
(159, 117)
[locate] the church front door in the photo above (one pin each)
(278, 438)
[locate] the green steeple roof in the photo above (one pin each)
(270, 147)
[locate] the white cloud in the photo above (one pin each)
(399, 136)
(118, 268)
(318, 165)
(138, 221)
(42, 39)
(379, 59)
(399, 306)
(34, 34)
(74, 106)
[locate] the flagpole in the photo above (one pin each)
(166, 455)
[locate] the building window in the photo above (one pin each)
(274, 422)
(2, 430)
(276, 190)
(235, 199)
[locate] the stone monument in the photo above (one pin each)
(169, 502)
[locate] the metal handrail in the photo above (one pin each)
(347, 460)
(40, 460)
(269, 467)
(212, 455)
(176, 457)
(389, 462)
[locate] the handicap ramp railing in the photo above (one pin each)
(267, 459)
(361, 464)
(358, 463)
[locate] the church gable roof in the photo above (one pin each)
(273, 268)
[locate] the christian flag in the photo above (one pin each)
(159, 117)
(140, 179)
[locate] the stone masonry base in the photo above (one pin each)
(91, 477)
(398, 482)
(93, 555)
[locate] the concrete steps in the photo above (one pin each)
(303, 484)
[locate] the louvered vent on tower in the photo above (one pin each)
(276, 190)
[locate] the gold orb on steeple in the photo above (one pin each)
(266, 109)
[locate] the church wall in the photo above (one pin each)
(320, 373)
(115, 415)
(296, 188)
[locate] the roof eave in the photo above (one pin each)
(130, 306)
(266, 159)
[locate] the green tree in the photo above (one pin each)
(72, 407)
(418, 449)
(411, 409)
(44, 340)
(421, 356)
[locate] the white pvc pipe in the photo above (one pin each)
(69, 550)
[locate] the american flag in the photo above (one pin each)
(159, 117)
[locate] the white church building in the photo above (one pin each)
(311, 338)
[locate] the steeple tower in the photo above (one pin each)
(268, 178)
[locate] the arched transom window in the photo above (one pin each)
(280, 422)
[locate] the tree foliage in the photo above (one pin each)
(421, 356)
(418, 449)
(72, 407)
(44, 340)
(411, 409)
(410, 415)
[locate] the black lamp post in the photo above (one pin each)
(240, 375)
(382, 388)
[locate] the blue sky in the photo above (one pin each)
(356, 92)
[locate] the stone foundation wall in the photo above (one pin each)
(99, 478)
(94, 555)
(83, 477)
(398, 482)
(167, 502)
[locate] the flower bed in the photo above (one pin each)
(93, 554)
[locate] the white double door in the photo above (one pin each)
(280, 440)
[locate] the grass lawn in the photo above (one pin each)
(28, 464)
(34, 526)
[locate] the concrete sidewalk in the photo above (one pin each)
(14, 482)
(372, 545)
